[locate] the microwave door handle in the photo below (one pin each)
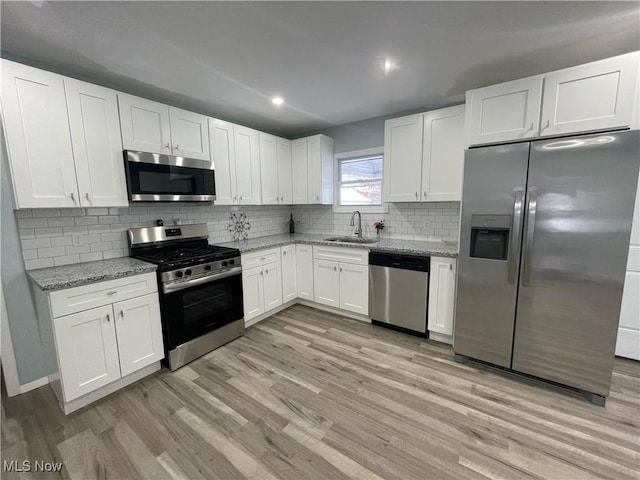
(516, 226)
(532, 205)
(177, 286)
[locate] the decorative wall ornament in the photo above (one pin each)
(239, 225)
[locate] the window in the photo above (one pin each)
(359, 179)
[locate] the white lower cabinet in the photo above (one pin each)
(253, 292)
(261, 282)
(108, 345)
(289, 273)
(326, 287)
(272, 286)
(442, 288)
(354, 288)
(304, 271)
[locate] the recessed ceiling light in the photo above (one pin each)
(388, 65)
(277, 101)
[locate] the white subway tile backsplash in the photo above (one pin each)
(49, 232)
(97, 211)
(90, 257)
(32, 223)
(86, 220)
(116, 253)
(66, 260)
(36, 243)
(38, 263)
(61, 222)
(51, 252)
(61, 241)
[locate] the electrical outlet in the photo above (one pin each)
(76, 239)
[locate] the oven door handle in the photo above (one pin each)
(176, 286)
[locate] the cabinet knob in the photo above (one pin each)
(121, 313)
(108, 318)
(240, 197)
(284, 253)
(261, 273)
(73, 197)
(340, 268)
(335, 269)
(425, 194)
(317, 197)
(177, 147)
(168, 146)
(282, 199)
(416, 194)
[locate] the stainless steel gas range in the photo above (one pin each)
(200, 288)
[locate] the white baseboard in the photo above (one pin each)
(439, 337)
(337, 311)
(40, 382)
(259, 318)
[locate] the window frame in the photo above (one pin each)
(338, 158)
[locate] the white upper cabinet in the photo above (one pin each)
(269, 169)
(157, 128)
(320, 169)
(224, 160)
(38, 141)
(595, 96)
(503, 112)
(145, 125)
(299, 171)
(443, 154)
(285, 185)
(97, 147)
(403, 158)
(189, 134)
(247, 165)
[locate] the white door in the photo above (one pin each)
(139, 332)
(299, 171)
(38, 140)
(443, 155)
(189, 134)
(403, 158)
(326, 283)
(252, 292)
(87, 351)
(285, 185)
(269, 169)
(354, 288)
(508, 111)
(272, 279)
(224, 160)
(144, 125)
(442, 285)
(596, 96)
(247, 165)
(304, 271)
(97, 144)
(314, 172)
(289, 273)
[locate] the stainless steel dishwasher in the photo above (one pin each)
(399, 291)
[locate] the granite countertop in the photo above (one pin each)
(418, 247)
(57, 278)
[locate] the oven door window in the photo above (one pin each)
(155, 179)
(192, 312)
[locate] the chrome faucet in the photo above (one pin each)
(359, 227)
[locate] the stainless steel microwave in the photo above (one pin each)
(153, 177)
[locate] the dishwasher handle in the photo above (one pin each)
(402, 261)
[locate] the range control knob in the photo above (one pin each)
(231, 262)
(187, 271)
(207, 267)
(225, 263)
(178, 274)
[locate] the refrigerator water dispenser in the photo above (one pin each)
(490, 236)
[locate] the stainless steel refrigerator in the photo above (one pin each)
(545, 229)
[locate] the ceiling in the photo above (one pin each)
(228, 59)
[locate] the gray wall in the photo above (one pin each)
(32, 344)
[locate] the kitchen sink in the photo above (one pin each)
(351, 240)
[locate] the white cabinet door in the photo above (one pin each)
(139, 332)
(224, 160)
(144, 124)
(87, 351)
(595, 96)
(508, 111)
(285, 186)
(354, 288)
(442, 286)
(247, 165)
(272, 279)
(443, 154)
(38, 141)
(97, 144)
(304, 271)
(300, 171)
(189, 134)
(326, 283)
(403, 158)
(269, 169)
(289, 273)
(314, 172)
(252, 292)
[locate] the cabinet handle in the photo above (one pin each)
(317, 197)
(416, 194)
(340, 268)
(108, 318)
(284, 253)
(73, 197)
(235, 197)
(451, 266)
(121, 313)
(543, 128)
(240, 197)
(266, 272)
(168, 146)
(112, 292)
(177, 147)
(425, 194)
(261, 273)
(86, 195)
(335, 269)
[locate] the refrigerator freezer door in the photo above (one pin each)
(493, 195)
(580, 200)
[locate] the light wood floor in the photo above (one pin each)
(308, 394)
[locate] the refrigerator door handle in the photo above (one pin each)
(516, 225)
(532, 204)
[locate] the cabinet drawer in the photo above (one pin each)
(261, 257)
(77, 299)
(359, 256)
